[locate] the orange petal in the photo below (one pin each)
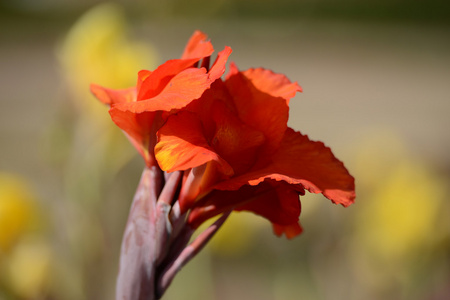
(264, 112)
(142, 75)
(218, 68)
(233, 70)
(203, 106)
(140, 129)
(277, 85)
(290, 231)
(301, 161)
(183, 88)
(182, 145)
(111, 96)
(172, 86)
(198, 46)
(155, 82)
(235, 141)
(275, 201)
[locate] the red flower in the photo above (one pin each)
(244, 156)
(173, 85)
(229, 136)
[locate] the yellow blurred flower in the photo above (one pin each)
(17, 210)
(97, 50)
(24, 256)
(237, 235)
(400, 216)
(28, 269)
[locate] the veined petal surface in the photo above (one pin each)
(262, 111)
(277, 85)
(302, 161)
(182, 145)
(276, 201)
(140, 129)
(112, 96)
(198, 46)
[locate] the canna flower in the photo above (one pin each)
(173, 85)
(224, 145)
(260, 164)
(230, 135)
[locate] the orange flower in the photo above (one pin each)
(173, 85)
(230, 137)
(243, 155)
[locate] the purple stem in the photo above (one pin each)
(163, 226)
(136, 279)
(155, 243)
(187, 254)
(170, 188)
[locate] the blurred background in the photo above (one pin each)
(375, 76)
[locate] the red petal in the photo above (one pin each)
(290, 231)
(182, 145)
(183, 88)
(275, 201)
(218, 68)
(198, 46)
(155, 82)
(301, 161)
(278, 202)
(277, 85)
(235, 141)
(140, 129)
(203, 106)
(110, 96)
(172, 86)
(233, 70)
(142, 75)
(262, 111)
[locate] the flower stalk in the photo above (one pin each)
(211, 146)
(152, 253)
(139, 245)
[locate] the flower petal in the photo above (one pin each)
(142, 75)
(172, 86)
(278, 202)
(277, 85)
(183, 88)
(301, 161)
(155, 82)
(290, 231)
(111, 96)
(262, 111)
(182, 145)
(234, 140)
(203, 106)
(140, 129)
(218, 68)
(198, 46)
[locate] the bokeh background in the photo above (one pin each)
(376, 78)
